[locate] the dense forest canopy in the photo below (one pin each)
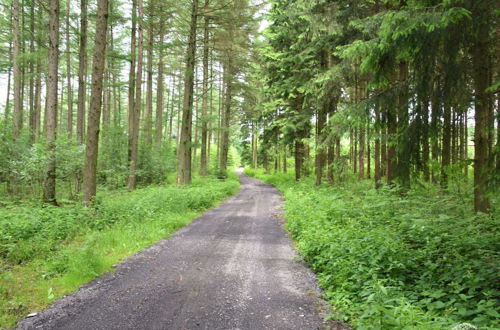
(121, 93)
(378, 120)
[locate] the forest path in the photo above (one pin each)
(232, 268)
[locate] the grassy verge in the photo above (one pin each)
(47, 252)
(385, 262)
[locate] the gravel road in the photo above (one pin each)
(233, 268)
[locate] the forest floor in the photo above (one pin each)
(232, 268)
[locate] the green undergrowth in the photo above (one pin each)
(425, 261)
(47, 252)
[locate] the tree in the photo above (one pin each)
(184, 148)
(16, 48)
(82, 73)
(134, 139)
(92, 145)
(49, 195)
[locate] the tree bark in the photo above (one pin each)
(378, 133)
(320, 150)
(91, 150)
(148, 124)
(184, 148)
(480, 70)
(403, 150)
(446, 150)
(82, 74)
(49, 192)
(131, 79)
(32, 113)
(16, 49)
(226, 117)
(160, 89)
(68, 74)
(204, 106)
(136, 114)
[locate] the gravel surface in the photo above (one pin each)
(233, 268)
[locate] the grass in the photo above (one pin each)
(425, 261)
(47, 252)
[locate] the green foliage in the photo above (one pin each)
(424, 262)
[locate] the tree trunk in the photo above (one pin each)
(160, 91)
(378, 133)
(16, 48)
(480, 80)
(204, 106)
(82, 74)
(68, 74)
(184, 148)
(136, 114)
(320, 150)
(91, 151)
(131, 79)
(425, 139)
(49, 192)
(32, 113)
(446, 151)
(226, 117)
(403, 150)
(391, 141)
(148, 124)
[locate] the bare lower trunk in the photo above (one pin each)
(131, 80)
(82, 74)
(68, 75)
(49, 192)
(204, 106)
(134, 147)
(159, 91)
(16, 48)
(184, 148)
(91, 151)
(481, 142)
(148, 123)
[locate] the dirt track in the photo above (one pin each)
(233, 268)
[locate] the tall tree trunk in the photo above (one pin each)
(391, 141)
(480, 80)
(160, 89)
(320, 150)
(184, 148)
(204, 106)
(68, 73)
(32, 113)
(136, 114)
(148, 124)
(16, 57)
(82, 74)
(131, 79)
(403, 150)
(425, 139)
(38, 99)
(254, 145)
(9, 74)
(446, 151)
(435, 115)
(91, 150)
(226, 116)
(378, 133)
(49, 192)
